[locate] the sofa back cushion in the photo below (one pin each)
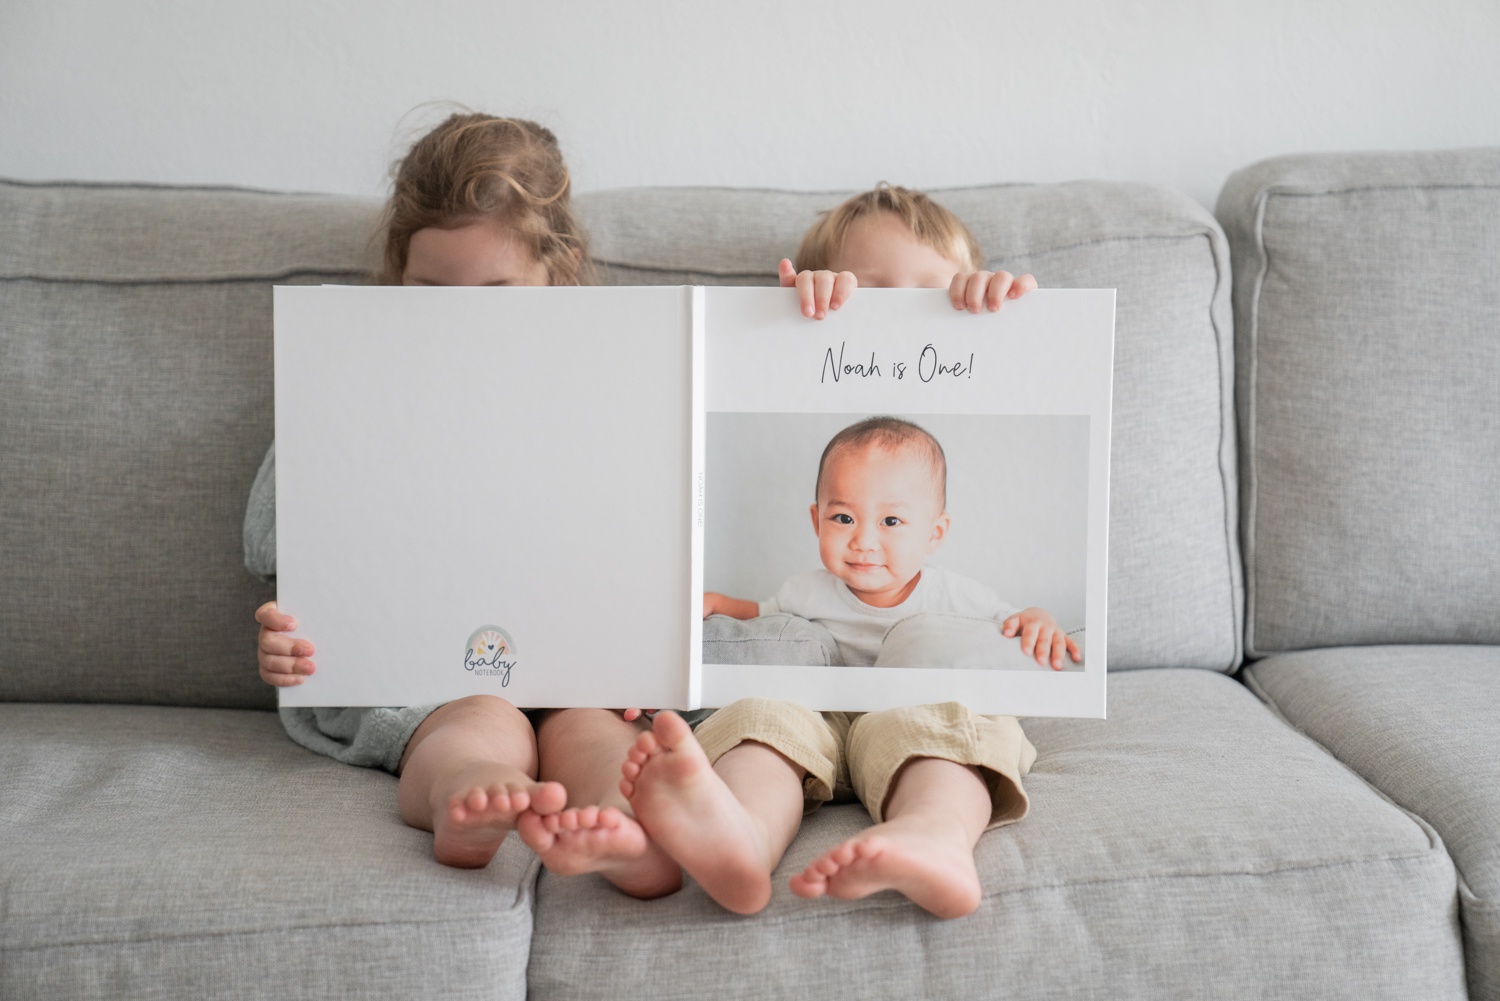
(135, 405)
(1367, 309)
(1174, 576)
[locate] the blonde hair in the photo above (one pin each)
(476, 166)
(891, 434)
(928, 221)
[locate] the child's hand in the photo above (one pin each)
(977, 291)
(283, 660)
(736, 608)
(1041, 637)
(632, 714)
(819, 291)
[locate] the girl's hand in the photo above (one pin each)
(1042, 637)
(283, 659)
(818, 291)
(978, 291)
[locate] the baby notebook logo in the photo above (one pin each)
(490, 654)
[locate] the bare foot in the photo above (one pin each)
(602, 840)
(474, 812)
(933, 869)
(694, 817)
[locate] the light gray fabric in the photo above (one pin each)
(960, 643)
(164, 852)
(1174, 577)
(135, 401)
(1192, 846)
(769, 639)
(1367, 303)
(137, 233)
(370, 737)
(1421, 724)
(259, 532)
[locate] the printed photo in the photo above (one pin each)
(949, 541)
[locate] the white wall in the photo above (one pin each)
(307, 95)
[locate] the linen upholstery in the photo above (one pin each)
(173, 852)
(1191, 846)
(1420, 724)
(1367, 308)
(767, 639)
(135, 404)
(1174, 577)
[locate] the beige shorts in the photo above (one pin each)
(858, 755)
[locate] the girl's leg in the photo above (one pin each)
(727, 824)
(583, 749)
(468, 771)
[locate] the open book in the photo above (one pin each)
(527, 492)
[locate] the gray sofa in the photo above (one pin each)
(1297, 791)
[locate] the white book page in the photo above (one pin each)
(1019, 401)
(488, 490)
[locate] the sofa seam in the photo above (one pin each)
(1251, 466)
(1296, 191)
(120, 282)
(1231, 531)
(170, 186)
(1200, 231)
(1433, 837)
(243, 932)
(1420, 858)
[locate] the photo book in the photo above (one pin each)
(538, 493)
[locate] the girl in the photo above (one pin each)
(479, 200)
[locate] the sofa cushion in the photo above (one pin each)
(767, 639)
(1419, 723)
(1367, 309)
(1191, 846)
(164, 852)
(1174, 591)
(135, 405)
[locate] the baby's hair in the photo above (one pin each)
(893, 434)
(475, 166)
(928, 221)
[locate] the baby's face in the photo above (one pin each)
(883, 253)
(483, 252)
(878, 516)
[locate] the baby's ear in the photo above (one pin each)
(814, 512)
(939, 531)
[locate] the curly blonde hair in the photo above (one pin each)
(474, 166)
(928, 221)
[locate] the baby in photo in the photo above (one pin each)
(880, 512)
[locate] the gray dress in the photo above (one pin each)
(371, 737)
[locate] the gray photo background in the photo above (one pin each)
(1017, 496)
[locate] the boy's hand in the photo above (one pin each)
(819, 291)
(1041, 637)
(283, 660)
(978, 291)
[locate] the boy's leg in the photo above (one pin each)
(935, 778)
(924, 849)
(583, 749)
(468, 771)
(728, 821)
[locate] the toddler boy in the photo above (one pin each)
(725, 803)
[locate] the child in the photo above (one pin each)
(933, 777)
(478, 201)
